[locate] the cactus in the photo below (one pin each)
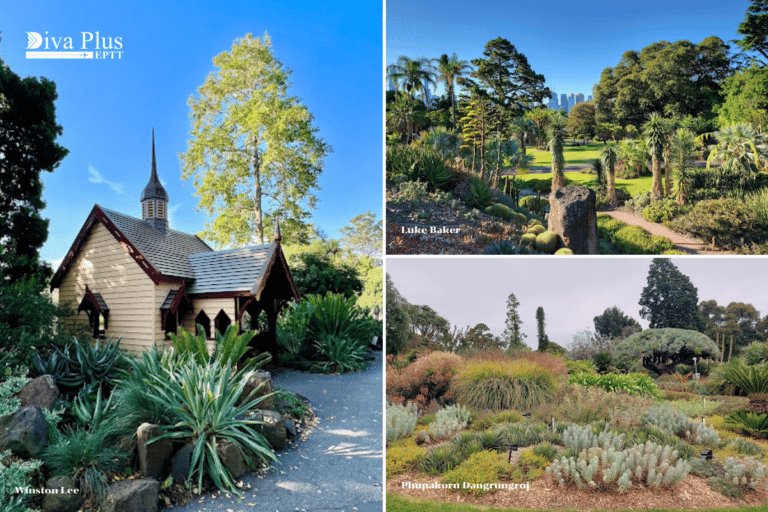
(534, 222)
(537, 229)
(547, 242)
(564, 251)
(501, 210)
(528, 240)
(520, 218)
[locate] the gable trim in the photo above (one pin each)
(275, 253)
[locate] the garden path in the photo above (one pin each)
(682, 242)
(339, 467)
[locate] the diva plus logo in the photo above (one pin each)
(88, 45)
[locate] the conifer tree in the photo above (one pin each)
(512, 335)
(543, 340)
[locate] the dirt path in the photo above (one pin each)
(682, 243)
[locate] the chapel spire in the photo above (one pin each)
(154, 198)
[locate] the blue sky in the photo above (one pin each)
(570, 43)
(109, 107)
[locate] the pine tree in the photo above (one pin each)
(512, 335)
(543, 340)
(670, 299)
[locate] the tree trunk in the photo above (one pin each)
(657, 190)
(612, 198)
(257, 213)
(453, 105)
(667, 177)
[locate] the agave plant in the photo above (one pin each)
(230, 347)
(80, 364)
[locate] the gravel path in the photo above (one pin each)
(339, 467)
(682, 243)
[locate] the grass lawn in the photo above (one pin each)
(396, 503)
(543, 182)
(583, 154)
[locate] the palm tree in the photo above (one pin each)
(682, 152)
(505, 153)
(654, 133)
(404, 115)
(414, 74)
(609, 156)
(556, 134)
(449, 70)
(526, 129)
(741, 149)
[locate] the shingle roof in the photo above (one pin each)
(234, 270)
(167, 252)
(169, 299)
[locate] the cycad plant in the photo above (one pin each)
(752, 380)
(740, 148)
(683, 148)
(556, 135)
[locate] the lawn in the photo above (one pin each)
(543, 181)
(396, 503)
(583, 154)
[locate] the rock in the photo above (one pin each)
(41, 392)
(232, 458)
(153, 457)
(260, 384)
(24, 432)
(181, 462)
(573, 218)
(272, 428)
(68, 499)
(377, 343)
(132, 496)
(290, 428)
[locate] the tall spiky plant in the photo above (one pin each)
(752, 380)
(556, 133)
(682, 152)
(609, 156)
(654, 134)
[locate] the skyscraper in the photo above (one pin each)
(579, 97)
(571, 101)
(564, 103)
(553, 101)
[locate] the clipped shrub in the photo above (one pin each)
(630, 383)
(403, 457)
(401, 420)
(476, 475)
(427, 380)
(546, 242)
(564, 251)
(663, 210)
(500, 385)
(601, 469)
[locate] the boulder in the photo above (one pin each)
(153, 457)
(41, 392)
(232, 458)
(24, 432)
(573, 218)
(290, 428)
(260, 384)
(181, 462)
(67, 499)
(272, 427)
(131, 496)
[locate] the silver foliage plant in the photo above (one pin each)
(401, 420)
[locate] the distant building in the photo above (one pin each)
(579, 97)
(564, 103)
(553, 101)
(589, 98)
(571, 101)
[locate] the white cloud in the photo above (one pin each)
(96, 177)
(171, 211)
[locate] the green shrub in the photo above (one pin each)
(546, 242)
(524, 433)
(401, 420)
(500, 385)
(745, 447)
(339, 354)
(545, 450)
(729, 222)
(203, 403)
(92, 412)
(508, 247)
(752, 380)
(86, 456)
(417, 164)
(630, 383)
(580, 366)
(520, 218)
(403, 457)
(755, 353)
(13, 474)
(400, 160)
(476, 475)
(489, 419)
(662, 210)
(229, 349)
(467, 443)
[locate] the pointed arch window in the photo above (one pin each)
(222, 322)
(203, 320)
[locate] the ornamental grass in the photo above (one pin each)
(519, 384)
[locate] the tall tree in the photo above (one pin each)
(28, 133)
(613, 323)
(754, 28)
(670, 299)
(745, 98)
(525, 130)
(254, 153)
(556, 135)
(581, 119)
(654, 131)
(398, 319)
(363, 236)
(414, 75)
(427, 324)
(504, 73)
(512, 336)
(543, 339)
(449, 69)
